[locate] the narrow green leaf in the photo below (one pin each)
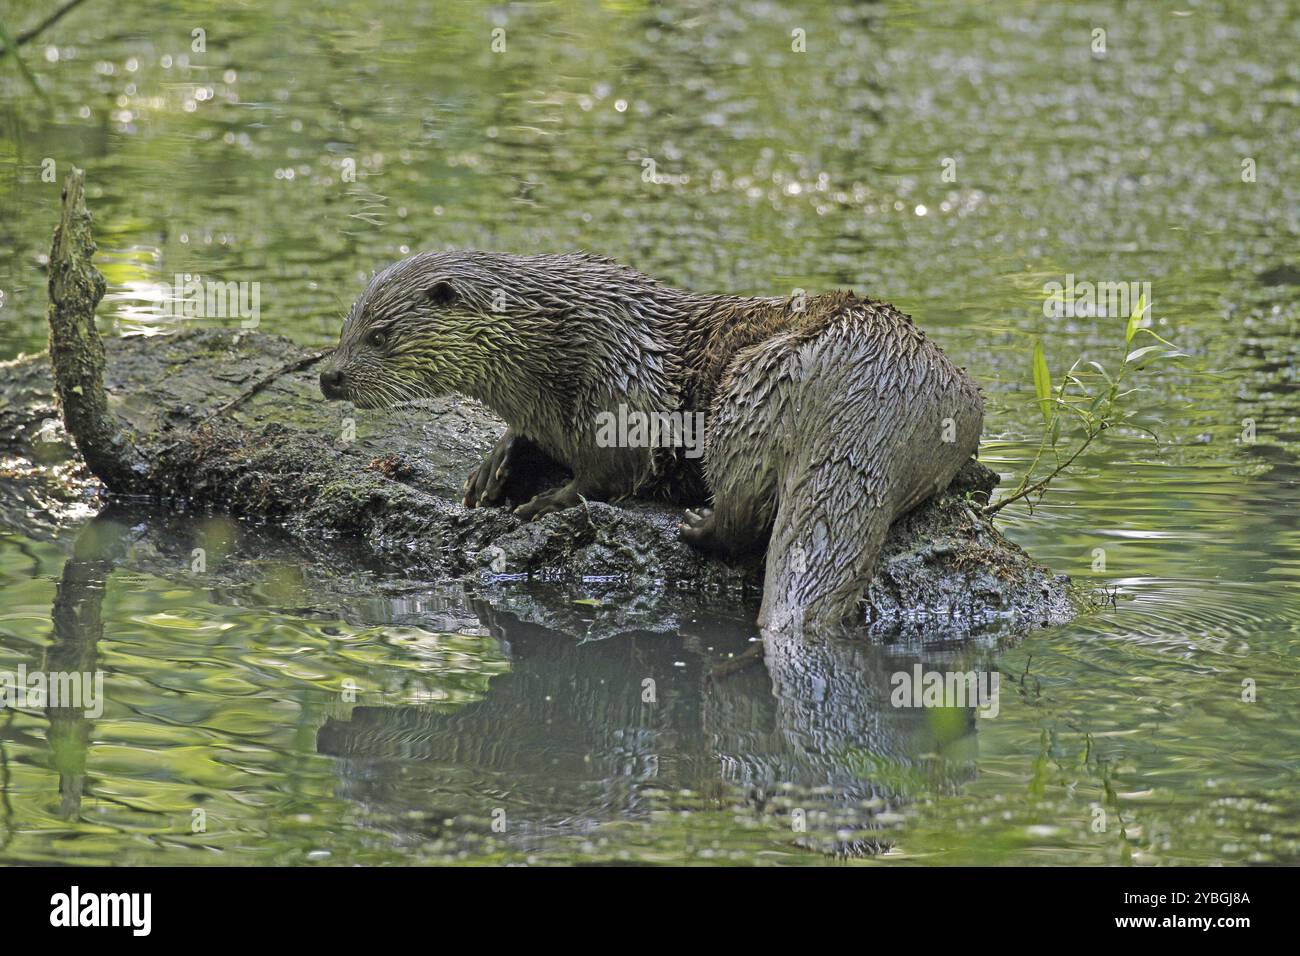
(1158, 338)
(1042, 382)
(1134, 319)
(1138, 355)
(1100, 371)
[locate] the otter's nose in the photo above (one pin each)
(331, 383)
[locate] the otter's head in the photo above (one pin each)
(414, 333)
(509, 330)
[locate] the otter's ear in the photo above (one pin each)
(441, 293)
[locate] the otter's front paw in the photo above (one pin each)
(551, 501)
(486, 484)
(700, 530)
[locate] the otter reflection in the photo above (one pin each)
(583, 732)
(580, 733)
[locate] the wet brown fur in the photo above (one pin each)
(827, 418)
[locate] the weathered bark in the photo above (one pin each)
(233, 421)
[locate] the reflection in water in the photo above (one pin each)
(570, 736)
(576, 733)
(77, 616)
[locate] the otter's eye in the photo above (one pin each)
(377, 338)
(442, 293)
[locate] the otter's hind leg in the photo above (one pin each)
(794, 455)
(869, 442)
(825, 545)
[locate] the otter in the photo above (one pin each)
(826, 418)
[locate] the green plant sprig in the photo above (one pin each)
(1096, 408)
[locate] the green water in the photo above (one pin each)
(1122, 737)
